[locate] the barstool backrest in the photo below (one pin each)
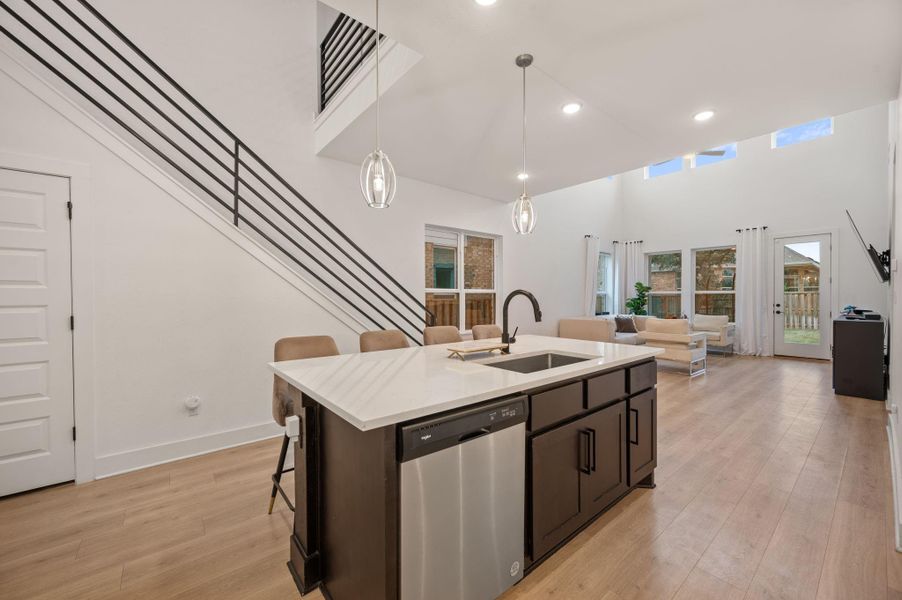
(485, 332)
(443, 334)
(296, 348)
(391, 339)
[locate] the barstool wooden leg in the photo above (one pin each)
(277, 476)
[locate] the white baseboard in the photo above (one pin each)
(896, 477)
(141, 458)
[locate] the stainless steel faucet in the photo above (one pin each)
(507, 338)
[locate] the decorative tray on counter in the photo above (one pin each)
(463, 349)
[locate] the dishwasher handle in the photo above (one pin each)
(472, 435)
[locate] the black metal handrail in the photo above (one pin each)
(347, 44)
(229, 172)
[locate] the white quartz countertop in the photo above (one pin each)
(375, 389)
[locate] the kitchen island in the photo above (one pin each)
(423, 476)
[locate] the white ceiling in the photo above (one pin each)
(640, 68)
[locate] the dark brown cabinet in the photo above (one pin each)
(606, 479)
(556, 501)
(578, 469)
(643, 455)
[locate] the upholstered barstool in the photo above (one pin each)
(444, 334)
(486, 332)
(391, 339)
(292, 348)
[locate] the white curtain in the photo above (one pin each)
(751, 293)
(629, 268)
(593, 246)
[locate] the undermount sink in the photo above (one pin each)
(535, 362)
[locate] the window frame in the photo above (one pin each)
(677, 293)
(607, 293)
(460, 269)
(694, 289)
(773, 136)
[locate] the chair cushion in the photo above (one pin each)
(631, 339)
(680, 326)
(625, 324)
(709, 322)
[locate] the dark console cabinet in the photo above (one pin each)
(858, 358)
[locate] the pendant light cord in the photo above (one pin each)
(525, 173)
(377, 74)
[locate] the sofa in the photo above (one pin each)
(600, 329)
(718, 330)
(679, 343)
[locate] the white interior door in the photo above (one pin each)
(36, 393)
(802, 292)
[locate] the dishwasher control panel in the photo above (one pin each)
(432, 434)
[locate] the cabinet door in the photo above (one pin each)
(557, 457)
(606, 438)
(643, 425)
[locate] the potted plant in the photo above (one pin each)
(637, 304)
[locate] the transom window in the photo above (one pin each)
(603, 300)
(714, 155)
(664, 168)
(802, 133)
(665, 275)
(460, 277)
(715, 281)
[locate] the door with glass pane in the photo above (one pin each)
(802, 296)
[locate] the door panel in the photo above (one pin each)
(606, 480)
(36, 411)
(802, 294)
(643, 434)
(556, 502)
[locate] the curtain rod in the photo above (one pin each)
(632, 242)
(750, 228)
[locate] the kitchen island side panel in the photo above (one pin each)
(360, 510)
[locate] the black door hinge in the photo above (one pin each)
(73, 433)
(69, 206)
(72, 322)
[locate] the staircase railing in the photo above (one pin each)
(346, 45)
(106, 69)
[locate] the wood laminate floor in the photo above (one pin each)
(769, 486)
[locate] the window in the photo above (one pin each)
(802, 133)
(603, 301)
(664, 168)
(665, 274)
(715, 282)
(714, 155)
(460, 277)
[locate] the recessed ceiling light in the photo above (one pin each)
(704, 115)
(571, 108)
(522, 176)
(485, 2)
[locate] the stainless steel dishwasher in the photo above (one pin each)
(462, 502)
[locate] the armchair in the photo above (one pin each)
(679, 344)
(718, 329)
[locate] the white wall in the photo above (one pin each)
(551, 261)
(895, 366)
(179, 309)
(799, 188)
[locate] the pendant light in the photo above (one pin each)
(377, 175)
(524, 215)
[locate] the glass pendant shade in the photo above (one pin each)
(377, 180)
(524, 215)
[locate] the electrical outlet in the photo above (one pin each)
(192, 403)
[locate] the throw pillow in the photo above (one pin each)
(625, 325)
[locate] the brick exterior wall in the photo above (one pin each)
(479, 263)
(430, 264)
